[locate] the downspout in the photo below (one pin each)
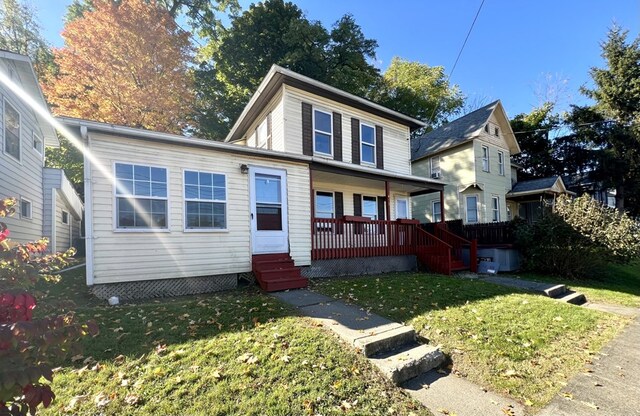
(53, 247)
(88, 206)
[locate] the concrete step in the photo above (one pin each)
(385, 341)
(555, 291)
(574, 298)
(408, 362)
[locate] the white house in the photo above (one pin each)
(25, 135)
(311, 181)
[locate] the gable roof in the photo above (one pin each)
(552, 184)
(32, 88)
(462, 130)
(277, 76)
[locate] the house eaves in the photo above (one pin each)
(278, 76)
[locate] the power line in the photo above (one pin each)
(433, 113)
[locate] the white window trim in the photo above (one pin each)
(406, 201)
(493, 210)
(185, 199)
(363, 143)
(62, 217)
(30, 216)
(433, 211)
(4, 138)
(265, 143)
(466, 209)
(315, 206)
(39, 139)
(313, 118)
(115, 197)
(501, 163)
(487, 159)
(433, 170)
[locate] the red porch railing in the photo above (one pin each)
(362, 237)
(457, 243)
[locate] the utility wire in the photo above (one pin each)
(433, 113)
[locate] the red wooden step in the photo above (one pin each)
(284, 284)
(268, 257)
(291, 273)
(273, 265)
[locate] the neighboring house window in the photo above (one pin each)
(501, 163)
(37, 144)
(205, 196)
(509, 214)
(25, 209)
(11, 131)
(262, 135)
(495, 209)
(496, 132)
(324, 205)
(402, 208)
(370, 207)
(141, 196)
(435, 167)
(436, 211)
(367, 144)
(65, 217)
(472, 209)
(486, 128)
(485, 158)
(322, 132)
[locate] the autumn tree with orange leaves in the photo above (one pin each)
(124, 63)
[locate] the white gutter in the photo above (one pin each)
(88, 206)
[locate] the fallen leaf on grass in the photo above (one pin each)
(248, 358)
(75, 401)
(508, 411)
(101, 399)
(528, 403)
(511, 373)
(285, 358)
(132, 399)
(77, 358)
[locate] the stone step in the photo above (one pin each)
(408, 362)
(385, 341)
(555, 291)
(574, 298)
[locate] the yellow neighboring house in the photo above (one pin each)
(472, 156)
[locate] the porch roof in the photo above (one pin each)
(550, 186)
(415, 185)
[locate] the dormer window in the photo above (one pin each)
(322, 133)
(496, 132)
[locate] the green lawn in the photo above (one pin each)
(620, 285)
(513, 342)
(238, 352)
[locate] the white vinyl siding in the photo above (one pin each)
(397, 155)
(145, 256)
(205, 200)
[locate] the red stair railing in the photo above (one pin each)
(457, 243)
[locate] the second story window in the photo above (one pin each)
(501, 163)
(11, 131)
(322, 133)
(367, 144)
(435, 167)
(485, 158)
(263, 137)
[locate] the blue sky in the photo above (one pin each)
(517, 48)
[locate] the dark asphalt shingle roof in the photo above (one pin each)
(451, 134)
(534, 184)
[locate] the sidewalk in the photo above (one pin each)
(610, 385)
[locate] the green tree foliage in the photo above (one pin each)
(532, 132)
(68, 158)
(20, 32)
(605, 142)
(276, 32)
(578, 238)
(419, 90)
(30, 345)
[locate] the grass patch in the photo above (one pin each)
(238, 352)
(513, 342)
(619, 285)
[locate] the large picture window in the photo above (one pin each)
(205, 196)
(141, 196)
(322, 133)
(367, 144)
(11, 131)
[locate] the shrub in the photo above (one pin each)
(28, 346)
(577, 239)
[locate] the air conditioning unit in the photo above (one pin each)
(435, 175)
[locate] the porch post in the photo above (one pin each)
(312, 214)
(442, 206)
(387, 200)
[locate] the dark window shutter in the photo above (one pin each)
(379, 148)
(357, 205)
(339, 204)
(307, 130)
(381, 204)
(269, 140)
(355, 141)
(337, 136)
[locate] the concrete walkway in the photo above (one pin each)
(390, 345)
(609, 386)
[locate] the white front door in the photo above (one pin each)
(269, 220)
